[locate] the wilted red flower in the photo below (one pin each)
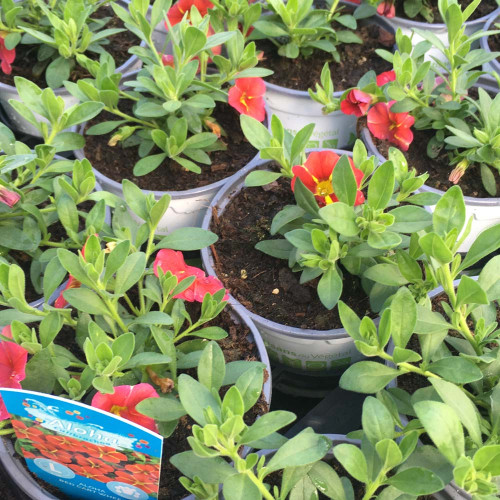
(356, 103)
(124, 400)
(7, 56)
(386, 77)
(387, 9)
(247, 97)
(13, 359)
(316, 175)
(8, 197)
(389, 126)
(173, 261)
(167, 60)
(177, 11)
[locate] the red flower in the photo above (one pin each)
(13, 359)
(386, 77)
(54, 453)
(170, 260)
(246, 96)
(93, 463)
(107, 454)
(28, 454)
(7, 56)
(124, 400)
(10, 198)
(177, 11)
(389, 126)
(167, 60)
(316, 175)
(356, 103)
(387, 9)
(30, 433)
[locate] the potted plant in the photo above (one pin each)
(309, 44)
(450, 360)
(436, 102)
(381, 461)
(179, 133)
(309, 339)
(412, 16)
(46, 204)
(44, 44)
(135, 325)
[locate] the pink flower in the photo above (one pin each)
(389, 126)
(387, 9)
(8, 197)
(356, 103)
(124, 400)
(7, 56)
(170, 260)
(386, 77)
(13, 359)
(247, 97)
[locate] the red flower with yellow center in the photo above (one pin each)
(316, 175)
(95, 474)
(54, 453)
(142, 481)
(107, 454)
(124, 400)
(247, 97)
(177, 11)
(393, 127)
(356, 103)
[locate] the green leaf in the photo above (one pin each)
(330, 288)
(147, 358)
(487, 459)
(488, 241)
(131, 272)
(456, 369)
(327, 480)
(367, 377)
(430, 322)
(266, 425)
(212, 368)
(353, 461)
(212, 470)
(261, 177)
(444, 428)
(449, 212)
(386, 274)
(83, 112)
(241, 487)
(455, 398)
(469, 291)
(285, 216)
(305, 448)
(416, 481)
(275, 248)
(341, 218)
(195, 397)
(376, 420)
(434, 246)
(343, 181)
(86, 301)
(305, 199)
(187, 239)
(403, 317)
(164, 409)
(381, 186)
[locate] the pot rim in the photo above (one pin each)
(62, 91)
(380, 21)
(492, 18)
(224, 195)
(469, 200)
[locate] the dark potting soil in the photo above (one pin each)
(118, 162)
(483, 9)
(235, 346)
(439, 168)
(264, 284)
(355, 60)
(494, 43)
(119, 44)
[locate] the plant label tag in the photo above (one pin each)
(83, 451)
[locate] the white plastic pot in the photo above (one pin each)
(438, 29)
(8, 92)
(314, 351)
(296, 109)
(485, 212)
(494, 65)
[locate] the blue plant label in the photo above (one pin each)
(83, 451)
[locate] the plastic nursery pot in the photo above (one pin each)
(25, 484)
(438, 29)
(484, 211)
(187, 208)
(9, 92)
(296, 109)
(314, 351)
(494, 65)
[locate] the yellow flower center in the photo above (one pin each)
(243, 100)
(116, 410)
(324, 188)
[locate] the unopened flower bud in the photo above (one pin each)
(458, 172)
(8, 197)
(168, 60)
